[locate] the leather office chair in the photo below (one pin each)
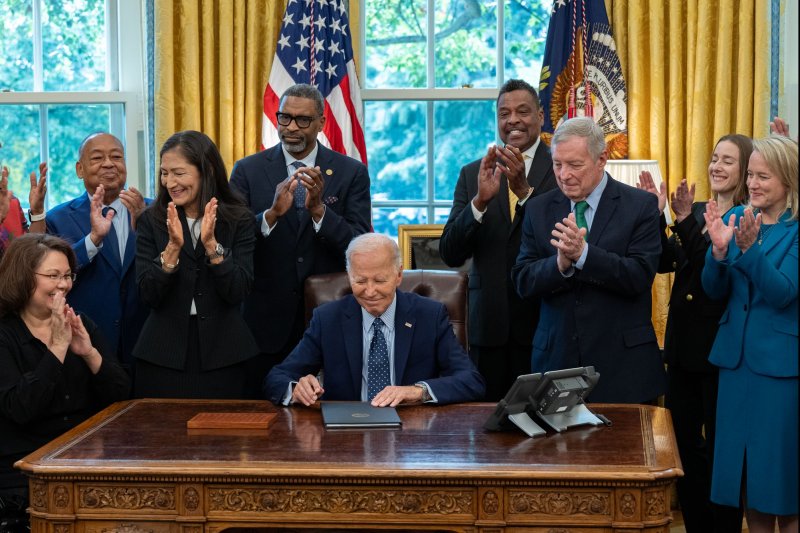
(447, 287)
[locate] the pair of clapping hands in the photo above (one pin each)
(308, 177)
(719, 231)
(67, 332)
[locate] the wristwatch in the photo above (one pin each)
(219, 251)
(35, 218)
(426, 396)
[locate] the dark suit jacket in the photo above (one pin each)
(601, 314)
(425, 349)
(496, 312)
(217, 290)
(693, 317)
(105, 288)
(293, 251)
(759, 325)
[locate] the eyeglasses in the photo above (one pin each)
(284, 119)
(55, 278)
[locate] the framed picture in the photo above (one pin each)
(419, 245)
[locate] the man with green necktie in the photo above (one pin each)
(590, 250)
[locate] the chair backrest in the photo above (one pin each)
(447, 287)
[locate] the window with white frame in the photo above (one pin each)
(63, 76)
(431, 73)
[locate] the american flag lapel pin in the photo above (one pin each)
(329, 172)
(408, 324)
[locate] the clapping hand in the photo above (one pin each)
(38, 190)
(488, 179)
(720, 233)
(747, 232)
(81, 344)
(133, 200)
(60, 328)
(511, 161)
(682, 200)
(647, 183)
(174, 228)
(568, 240)
(101, 225)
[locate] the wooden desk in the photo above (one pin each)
(136, 468)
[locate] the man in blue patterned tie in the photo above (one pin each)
(379, 344)
(101, 226)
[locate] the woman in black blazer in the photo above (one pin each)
(692, 324)
(194, 266)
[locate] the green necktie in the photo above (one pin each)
(580, 215)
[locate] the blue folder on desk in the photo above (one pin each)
(357, 415)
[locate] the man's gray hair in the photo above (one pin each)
(373, 242)
(581, 127)
(304, 90)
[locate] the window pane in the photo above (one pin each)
(16, 45)
(462, 132)
(20, 152)
(397, 155)
(395, 51)
(74, 45)
(386, 219)
(525, 25)
(466, 43)
(67, 126)
(440, 215)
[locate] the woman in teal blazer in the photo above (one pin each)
(753, 261)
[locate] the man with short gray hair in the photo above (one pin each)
(378, 345)
(308, 202)
(590, 251)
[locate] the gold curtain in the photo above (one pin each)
(695, 70)
(212, 63)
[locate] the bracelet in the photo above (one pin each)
(35, 218)
(169, 266)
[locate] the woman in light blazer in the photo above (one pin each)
(753, 261)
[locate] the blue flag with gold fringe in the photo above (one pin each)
(581, 73)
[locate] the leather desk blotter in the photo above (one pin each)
(231, 420)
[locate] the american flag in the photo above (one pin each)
(314, 47)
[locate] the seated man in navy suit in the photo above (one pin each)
(379, 344)
(101, 226)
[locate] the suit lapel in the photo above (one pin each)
(353, 342)
(606, 208)
(404, 323)
(80, 214)
(774, 235)
(130, 247)
(540, 166)
(503, 200)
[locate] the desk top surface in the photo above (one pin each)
(150, 436)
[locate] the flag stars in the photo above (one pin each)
(287, 18)
(319, 23)
(299, 65)
(334, 48)
(302, 43)
(305, 21)
(331, 70)
(283, 42)
(319, 46)
(335, 25)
